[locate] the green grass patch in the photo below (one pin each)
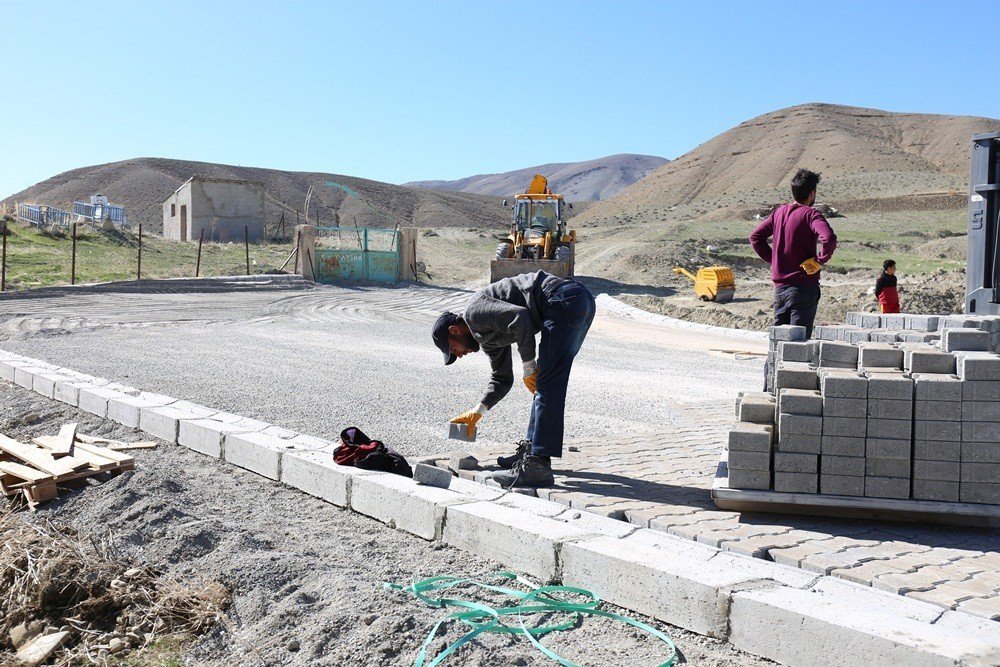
(36, 258)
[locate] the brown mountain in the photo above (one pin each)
(589, 180)
(867, 158)
(141, 184)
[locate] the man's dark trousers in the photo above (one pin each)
(796, 304)
(567, 318)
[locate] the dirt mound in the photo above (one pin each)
(863, 154)
(590, 180)
(141, 184)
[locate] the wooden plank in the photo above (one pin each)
(104, 452)
(126, 446)
(26, 473)
(37, 457)
(91, 439)
(64, 441)
(80, 459)
(40, 493)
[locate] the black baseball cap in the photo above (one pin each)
(440, 335)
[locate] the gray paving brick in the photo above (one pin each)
(890, 409)
(978, 471)
(799, 443)
(890, 386)
(800, 402)
(981, 390)
(978, 366)
(986, 452)
(844, 385)
(759, 480)
(852, 466)
(787, 332)
(895, 321)
(790, 375)
(887, 487)
(939, 490)
(956, 340)
(844, 426)
(885, 448)
(980, 411)
(796, 482)
(842, 446)
(749, 460)
(879, 355)
(756, 411)
(748, 437)
(834, 352)
(885, 336)
(980, 492)
(944, 471)
(826, 332)
(919, 337)
(882, 467)
(842, 485)
(789, 462)
(871, 321)
(937, 450)
(856, 336)
(935, 430)
(801, 351)
(854, 318)
(921, 322)
(800, 425)
(929, 361)
(976, 431)
(941, 411)
(896, 429)
(856, 408)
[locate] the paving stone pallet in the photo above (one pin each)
(887, 406)
(766, 608)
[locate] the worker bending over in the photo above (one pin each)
(510, 312)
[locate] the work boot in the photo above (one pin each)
(530, 471)
(507, 462)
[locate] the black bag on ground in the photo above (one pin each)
(358, 450)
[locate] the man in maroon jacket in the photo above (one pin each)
(795, 264)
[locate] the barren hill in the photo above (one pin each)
(578, 181)
(865, 156)
(141, 184)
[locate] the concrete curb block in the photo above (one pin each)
(779, 612)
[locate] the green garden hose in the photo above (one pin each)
(482, 618)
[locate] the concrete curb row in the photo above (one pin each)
(768, 609)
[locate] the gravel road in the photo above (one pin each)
(306, 577)
(319, 358)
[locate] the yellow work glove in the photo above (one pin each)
(810, 266)
(531, 375)
(471, 418)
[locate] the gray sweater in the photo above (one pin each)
(508, 312)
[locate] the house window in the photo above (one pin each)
(173, 210)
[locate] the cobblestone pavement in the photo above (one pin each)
(662, 481)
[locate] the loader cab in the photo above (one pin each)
(539, 213)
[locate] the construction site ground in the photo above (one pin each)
(650, 401)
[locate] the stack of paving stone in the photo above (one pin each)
(885, 406)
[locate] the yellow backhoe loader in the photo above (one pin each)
(538, 238)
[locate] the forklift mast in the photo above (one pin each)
(982, 277)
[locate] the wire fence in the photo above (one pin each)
(34, 256)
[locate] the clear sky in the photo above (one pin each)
(399, 91)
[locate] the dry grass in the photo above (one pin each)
(52, 578)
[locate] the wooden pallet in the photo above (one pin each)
(851, 507)
(36, 470)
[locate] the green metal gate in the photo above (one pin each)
(345, 254)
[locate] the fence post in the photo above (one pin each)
(246, 245)
(72, 275)
(3, 262)
(197, 265)
(138, 264)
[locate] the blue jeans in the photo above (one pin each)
(567, 318)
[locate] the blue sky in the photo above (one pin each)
(399, 91)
